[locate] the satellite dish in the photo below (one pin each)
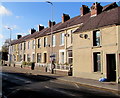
(81, 35)
(85, 36)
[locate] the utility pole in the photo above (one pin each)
(51, 56)
(10, 56)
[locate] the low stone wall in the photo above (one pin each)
(40, 68)
(61, 72)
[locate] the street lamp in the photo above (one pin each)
(51, 56)
(10, 47)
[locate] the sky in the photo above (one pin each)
(22, 16)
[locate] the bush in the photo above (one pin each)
(30, 63)
(24, 63)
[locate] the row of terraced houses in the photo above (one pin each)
(89, 42)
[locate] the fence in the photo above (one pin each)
(58, 67)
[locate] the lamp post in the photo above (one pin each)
(51, 56)
(10, 47)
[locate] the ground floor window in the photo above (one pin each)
(45, 57)
(38, 57)
(28, 57)
(97, 61)
(70, 57)
(33, 57)
(14, 57)
(20, 57)
(62, 57)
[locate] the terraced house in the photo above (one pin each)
(97, 43)
(89, 42)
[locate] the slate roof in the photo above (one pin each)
(109, 16)
(104, 19)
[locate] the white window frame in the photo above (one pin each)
(53, 40)
(61, 60)
(62, 39)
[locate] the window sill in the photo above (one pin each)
(97, 72)
(53, 46)
(62, 45)
(96, 47)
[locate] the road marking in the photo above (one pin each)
(57, 90)
(26, 81)
(76, 85)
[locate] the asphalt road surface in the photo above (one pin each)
(19, 85)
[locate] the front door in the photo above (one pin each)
(45, 57)
(111, 67)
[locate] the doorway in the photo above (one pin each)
(45, 57)
(111, 67)
(24, 57)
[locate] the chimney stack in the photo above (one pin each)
(19, 36)
(32, 31)
(84, 10)
(40, 27)
(65, 17)
(96, 9)
(50, 23)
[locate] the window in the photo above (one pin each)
(39, 43)
(28, 57)
(62, 39)
(28, 45)
(20, 57)
(33, 57)
(71, 37)
(33, 44)
(96, 38)
(97, 62)
(61, 58)
(70, 57)
(14, 57)
(53, 40)
(38, 57)
(45, 41)
(24, 45)
(45, 57)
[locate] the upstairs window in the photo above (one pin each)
(62, 39)
(21, 46)
(53, 40)
(45, 41)
(33, 44)
(28, 45)
(96, 38)
(39, 43)
(24, 45)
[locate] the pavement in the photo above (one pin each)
(109, 86)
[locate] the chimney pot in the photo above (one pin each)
(19, 36)
(32, 31)
(50, 23)
(96, 9)
(84, 10)
(40, 27)
(65, 17)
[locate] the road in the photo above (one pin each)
(19, 85)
